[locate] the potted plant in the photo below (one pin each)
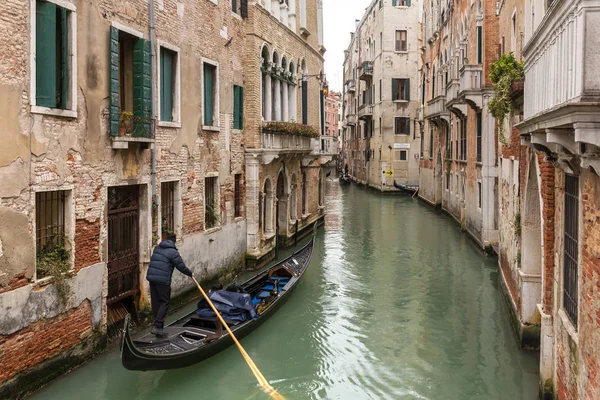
(125, 122)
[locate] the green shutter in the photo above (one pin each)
(45, 48)
(407, 89)
(114, 81)
(244, 8)
(208, 95)
(238, 107)
(479, 45)
(395, 2)
(166, 84)
(394, 89)
(142, 90)
(64, 76)
(408, 3)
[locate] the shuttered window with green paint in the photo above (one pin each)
(401, 89)
(52, 63)
(168, 61)
(238, 107)
(209, 94)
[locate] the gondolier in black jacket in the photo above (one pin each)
(164, 259)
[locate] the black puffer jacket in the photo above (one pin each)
(164, 259)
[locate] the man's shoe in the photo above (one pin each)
(159, 332)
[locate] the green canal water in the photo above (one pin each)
(397, 304)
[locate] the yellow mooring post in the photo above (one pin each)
(264, 384)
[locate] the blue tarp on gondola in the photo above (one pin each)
(232, 306)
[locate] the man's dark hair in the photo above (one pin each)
(172, 237)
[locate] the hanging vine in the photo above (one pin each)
(502, 73)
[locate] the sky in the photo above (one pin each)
(339, 20)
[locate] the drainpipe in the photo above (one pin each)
(153, 108)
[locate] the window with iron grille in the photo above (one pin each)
(211, 208)
(167, 206)
(238, 195)
(448, 143)
(480, 194)
(304, 190)
(431, 143)
(50, 229)
(571, 248)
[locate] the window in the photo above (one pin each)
(211, 206)
(237, 188)
(54, 48)
(404, 3)
(448, 178)
(238, 107)
(401, 126)
(210, 95)
(448, 143)
(463, 140)
(479, 137)
(240, 7)
(167, 206)
(130, 88)
(571, 248)
(400, 155)
(169, 85)
(380, 90)
(431, 143)
(479, 45)
(479, 194)
(50, 228)
(401, 89)
(380, 126)
(401, 41)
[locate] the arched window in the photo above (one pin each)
(266, 84)
(276, 90)
(268, 207)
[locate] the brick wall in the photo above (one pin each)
(43, 340)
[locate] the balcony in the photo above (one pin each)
(366, 70)
(453, 103)
(365, 111)
(329, 145)
(436, 108)
(283, 142)
(350, 120)
(350, 85)
(132, 129)
(471, 85)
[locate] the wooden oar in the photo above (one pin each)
(264, 384)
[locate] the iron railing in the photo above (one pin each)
(571, 250)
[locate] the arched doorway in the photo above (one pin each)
(531, 247)
(282, 204)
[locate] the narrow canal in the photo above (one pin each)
(396, 304)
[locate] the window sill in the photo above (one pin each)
(237, 130)
(568, 326)
(400, 51)
(236, 16)
(54, 111)
(49, 280)
(212, 230)
(211, 128)
(305, 216)
(169, 124)
(400, 101)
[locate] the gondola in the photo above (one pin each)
(411, 189)
(192, 338)
(345, 179)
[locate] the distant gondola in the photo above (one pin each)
(185, 343)
(345, 179)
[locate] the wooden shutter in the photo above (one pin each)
(45, 48)
(407, 89)
(238, 107)
(142, 90)
(64, 76)
(244, 8)
(166, 84)
(114, 81)
(208, 95)
(395, 89)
